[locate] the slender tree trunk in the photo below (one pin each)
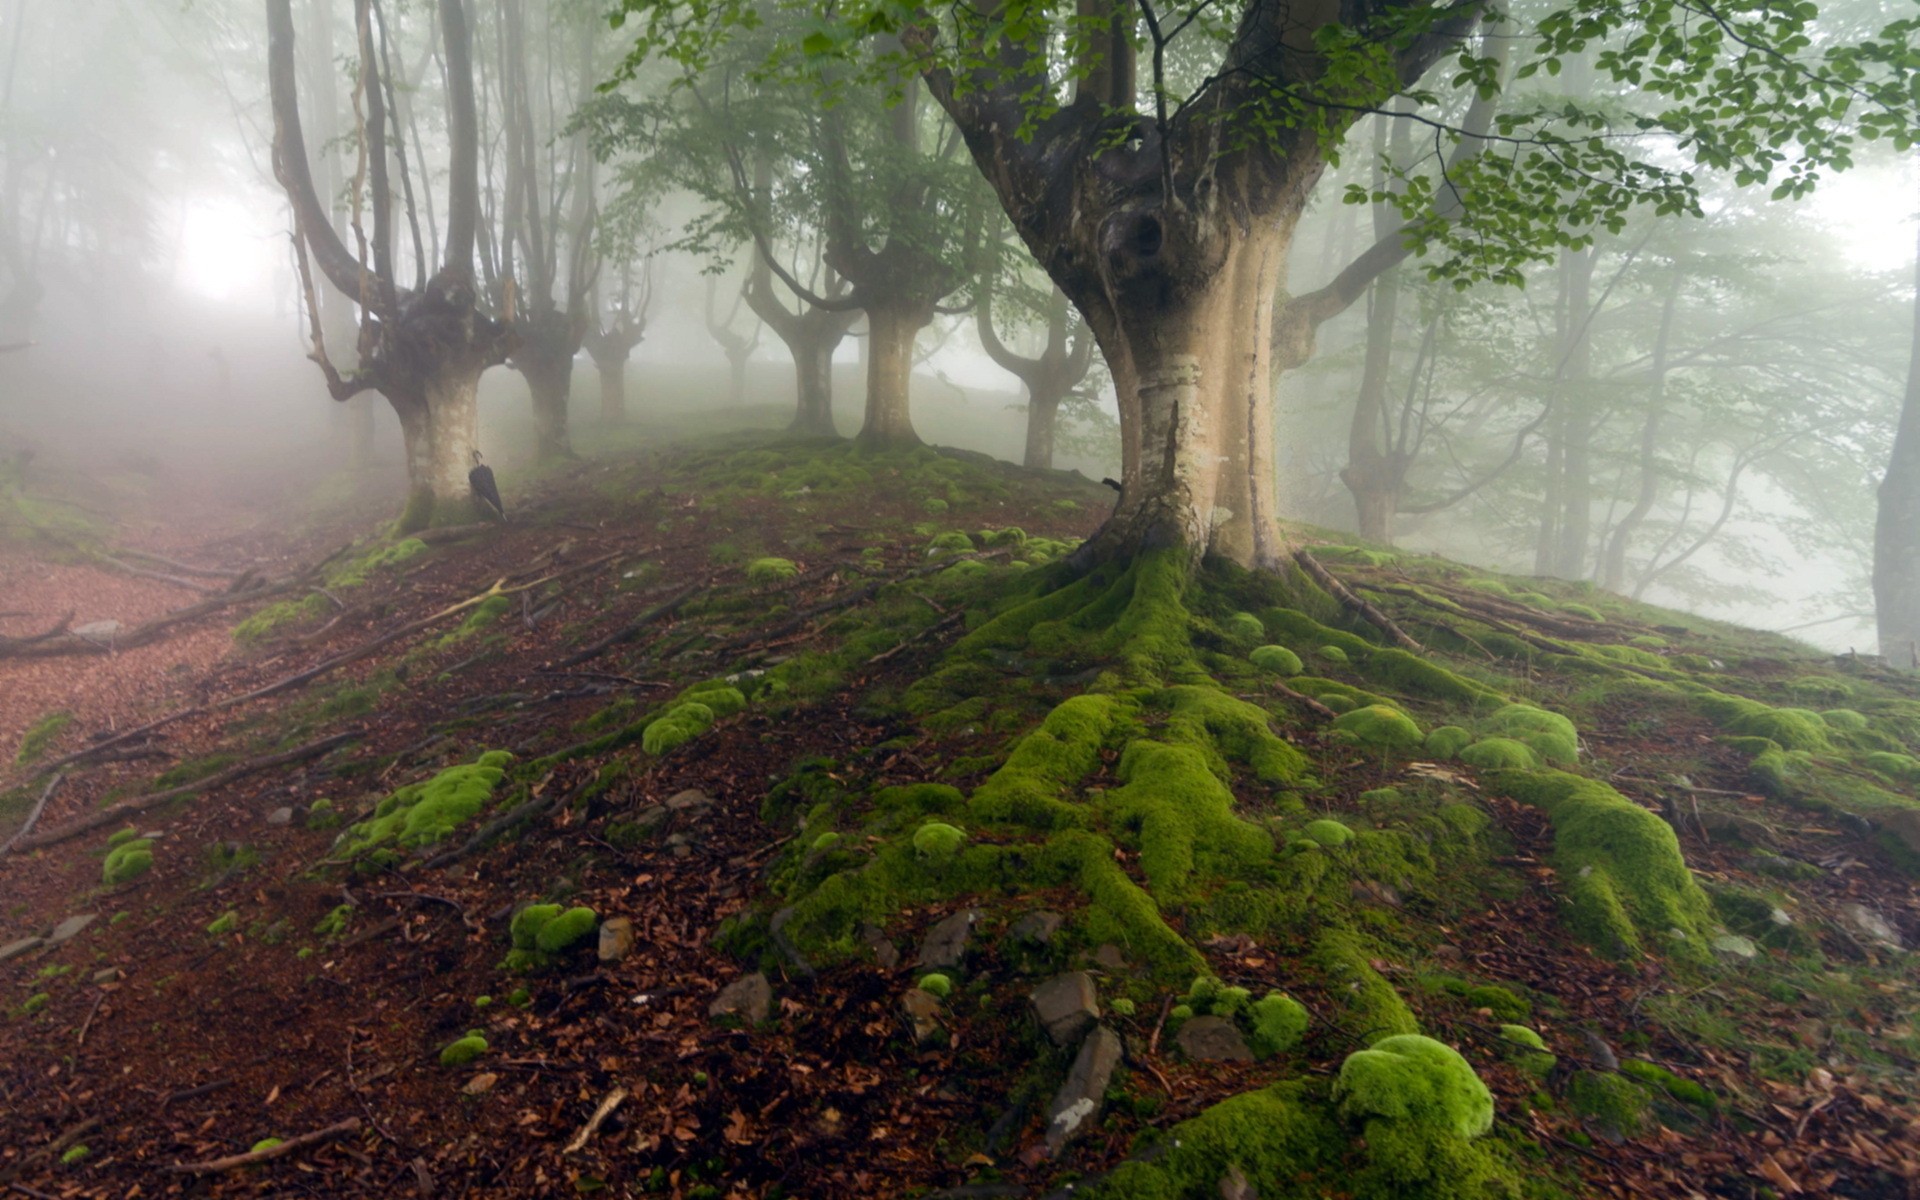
(1614, 568)
(1043, 415)
(1896, 528)
(544, 358)
(737, 376)
(813, 378)
(891, 330)
(613, 388)
(1576, 495)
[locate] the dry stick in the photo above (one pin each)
(858, 595)
(53, 631)
(337, 1129)
(1303, 700)
(612, 1101)
(940, 626)
(45, 794)
(108, 816)
(88, 1023)
(183, 568)
(1344, 594)
(631, 629)
(162, 576)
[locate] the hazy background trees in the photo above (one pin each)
(1695, 410)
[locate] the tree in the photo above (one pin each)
(1164, 210)
(1896, 530)
(615, 327)
(1049, 376)
(424, 348)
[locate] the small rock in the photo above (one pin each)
(923, 1013)
(650, 818)
(1234, 1185)
(1108, 957)
(946, 943)
(884, 951)
(481, 1084)
(776, 928)
(1601, 1055)
(1066, 1006)
(1733, 947)
(107, 975)
(98, 630)
(16, 949)
(1902, 823)
(749, 996)
(1780, 918)
(70, 928)
(1872, 924)
(1448, 952)
(692, 800)
(1212, 1039)
(1036, 927)
(1077, 1103)
(280, 816)
(1367, 891)
(616, 939)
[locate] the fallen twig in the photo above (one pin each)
(631, 629)
(118, 812)
(162, 576)
(177, 565)
(88, 1023)
(337, 1129)
(189, 1093)
(1303, 700)
(46, 794)
(945, 623)
(1341, 592)
(612, 1101)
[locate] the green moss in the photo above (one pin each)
(1417, 676)
(1613, 1104)
(1184, 816)
(936, 984)
(121, 837)
(1789, 728)
(953, 542)
(764, 571)
(676, 727)
(265, 1143)
(1686, 1091)
(424, 813)
(35, 1003)
(1503, 1004)
(722, 699)
(1374, 1008)
(1333, 654)
(461, 1051)
(566, 930)
(1526, 1050)
(1378, 727)
(1277, 660)
(1447, 741)
(225, 923)
(1066, 747)
(1277, 1023)
(1328, 832)
(127, 861)
(334, 923)
(1901, 768)
(1276, 1136)
(1246, 627)
(1121, 1006)
(1625, 877)
(74, 1155)
(1498, 753)
(40, 736)
(938, 840)
(1548, 734)
(1414, 1080)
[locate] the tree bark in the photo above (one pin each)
(892, 328)
(1043, 416)
(613, 389)
(1372, 474)
(813, 377)
(1613, 574)
(544, 357)
(1896, 527)
(442, 430)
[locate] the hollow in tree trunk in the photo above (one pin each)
(891, 330)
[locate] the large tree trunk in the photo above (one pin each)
(544, 357)
(613, 389)
(1043, 416)
(813, 378)
(1896, 527)
(1187, 339)
(442, 430)
(891, 330)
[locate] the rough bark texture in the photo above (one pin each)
(544, 357)
(1896, 530)
(891, 331)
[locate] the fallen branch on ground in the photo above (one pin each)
(1368, 612)
(177, 565)
(631, 629)
(337, 1129)
(945, 623)
(10, 645)
(46, 794)
(117, 812)
(162, 576)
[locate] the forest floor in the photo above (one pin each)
(258, 982)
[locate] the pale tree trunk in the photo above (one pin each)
(1896, 527)
(613, 389)
(1043, 417)
(442, 431)
(891, 331)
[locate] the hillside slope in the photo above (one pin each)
(712, 828)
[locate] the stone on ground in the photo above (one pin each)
(749, 996)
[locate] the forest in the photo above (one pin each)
(1045, 598)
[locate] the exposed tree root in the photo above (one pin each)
(631, 629)
(292, 1144)
(33, 817)
(1368, 612)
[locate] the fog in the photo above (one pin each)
(167, 376)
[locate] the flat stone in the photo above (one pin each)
(70, 928)
(481, 1084)
(1036, 927)
(1076, 1105)
(616, 939)
(107, 975)
(691, 800)
(1066, 1006)
(17, 948)
(98, 630)
(1234, 1185)
(1108, 957)
(280, 816)
(650, 818)
(1212, 1039)
(1733, 947)
(1872, 924)
(749, 996)
(884, 951)
(923, 1013)
(946, 943)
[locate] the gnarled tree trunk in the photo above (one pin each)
(892, 327)
(442, 430)
(813, 378)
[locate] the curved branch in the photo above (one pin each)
(290, 162)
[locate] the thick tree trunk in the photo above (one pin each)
(442, 430)
(737, 378)
(613, 389)
(813, 379)
(1896, 527)
(360, 417)
(1043, 415)
(544, 358)
(1376, 497)
(1190, 364)
(891, 330)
